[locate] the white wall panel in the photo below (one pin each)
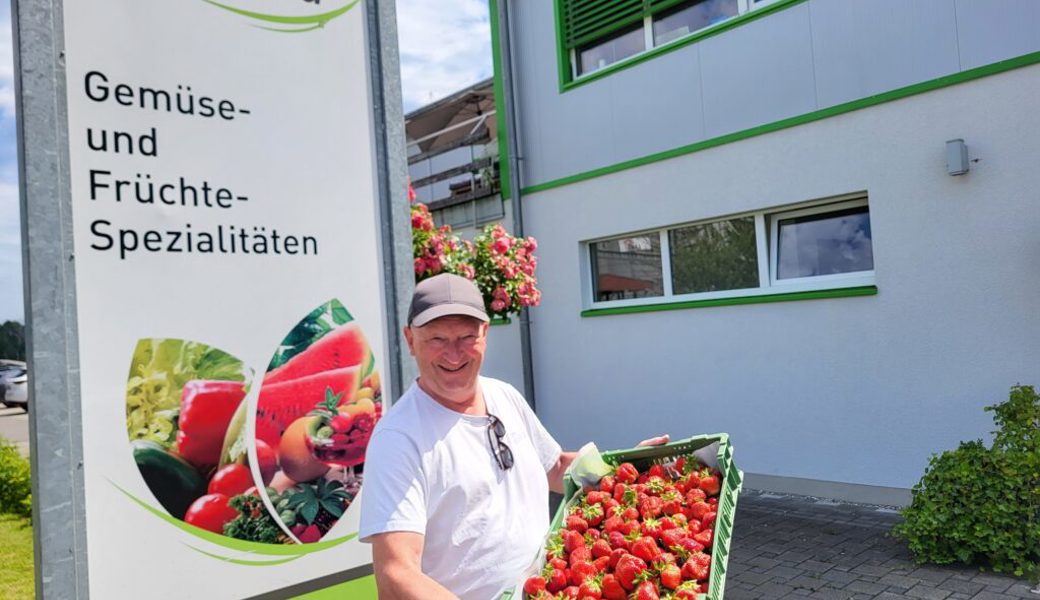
(758, 73)
(865, 48)
(991, 31)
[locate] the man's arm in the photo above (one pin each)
(397, 562)
(555, 474)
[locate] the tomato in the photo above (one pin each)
(231, 480)
(210, 512)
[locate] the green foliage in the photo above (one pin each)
(12, 340)
(979, 505)
(15, 482)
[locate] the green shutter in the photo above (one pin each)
(585, 21)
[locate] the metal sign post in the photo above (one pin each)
(202, 181)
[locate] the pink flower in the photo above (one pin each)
(500, 246)
(420, 266)
(435, 265)
(497, 306)
(532, 244)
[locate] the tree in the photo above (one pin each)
(12, 340)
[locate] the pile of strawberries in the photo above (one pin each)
(642, 536)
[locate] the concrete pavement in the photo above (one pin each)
(795, 547)
(14, 427)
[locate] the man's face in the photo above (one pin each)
(449, 352)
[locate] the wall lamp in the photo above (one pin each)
(956, 157)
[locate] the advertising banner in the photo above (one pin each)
(229, 290)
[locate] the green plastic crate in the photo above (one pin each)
(642, 458)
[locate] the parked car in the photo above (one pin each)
(14, 387)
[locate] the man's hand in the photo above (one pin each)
(655, 441)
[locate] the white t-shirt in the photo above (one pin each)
(431, 470)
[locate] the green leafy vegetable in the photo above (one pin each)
(254, 523)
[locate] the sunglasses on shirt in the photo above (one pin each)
(503, 455)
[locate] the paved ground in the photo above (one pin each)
(794, 547)
(14, 427)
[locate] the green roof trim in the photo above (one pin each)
(838, 109)
(500, 103)
(867, 290)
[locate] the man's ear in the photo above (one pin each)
(408, 338)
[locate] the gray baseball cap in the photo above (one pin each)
(443, 295)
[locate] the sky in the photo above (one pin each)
(445, 46)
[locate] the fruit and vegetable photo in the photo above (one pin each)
(319, 402)
(188, 411)
(181, 398)
(641, 535)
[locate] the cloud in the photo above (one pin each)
(6, 64)
(445, 46)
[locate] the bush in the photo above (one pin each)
(979, 505)
(15, 483)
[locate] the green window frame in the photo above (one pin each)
(584, 23)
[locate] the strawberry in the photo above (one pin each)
(601, 548)
(626, 473)
(650, 507)
(671, 576)
(687, 590)
(617, 540)
(570, 591)
(628, 568)
(556, 580)
(656, 471)
(694, 568)
(596, 497)
(541, 595)
(630, 513)
(611, 588)
(590, 589)
(695, 495)
(580, 554)
(694, 527)
(690, 545)
(706, 536)
(647, 590)
(666, 558)
(679, 520)
(602, 564)
(672, 537)
(533, 585)
(576, 523)
(711, 485)
(708, 520)
(558, 563)
(606, 484)
(610, 506)
(651, 527)
(699, 509)
(615, 556)
(593, 514)
(646, 548)
(613, 523)
(581, 571)
(571, 540)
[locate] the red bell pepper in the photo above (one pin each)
(206, 411)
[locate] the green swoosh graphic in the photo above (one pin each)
(311, 28)
(294, 550)
(247, 563)
(305, 20)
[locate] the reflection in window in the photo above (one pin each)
(714, 256)
(690, 17)
(627, 268)
(825, 244)
(610, 51)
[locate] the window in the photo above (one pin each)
(714, 256)
(626, 268)
(822, 244)
(825, 245)
(598, 33)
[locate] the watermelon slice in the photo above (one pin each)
(282, 403)
(344, 346)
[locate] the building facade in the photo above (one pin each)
(754, 217)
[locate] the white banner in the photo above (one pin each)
(228, 284)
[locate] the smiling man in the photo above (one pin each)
(458, 472)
